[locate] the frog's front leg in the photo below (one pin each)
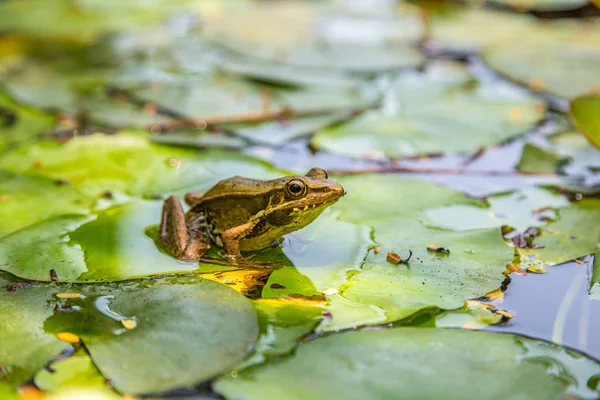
(185, 239)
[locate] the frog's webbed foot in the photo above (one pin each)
(184, 240)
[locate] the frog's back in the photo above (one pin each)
(233, 201)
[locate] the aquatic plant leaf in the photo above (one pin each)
(20, 125)
(585, 112)
(517, 210)
(72, 372)
(8, 391)
(44, 251)
(575, 234)
(81, 23)
(25, 346)
(28, 199)
(153, 336)
(316, 36)
(282, 322)
(361, 287)
(542, 61)
(434, 112)
(388, 364)
(130, 164)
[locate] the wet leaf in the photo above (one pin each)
(8, 391)
(585, 112)
(317, 36)
(35, 251)
(81, 22)
(381, 364)
(25, 346)
(519, 210)
(19, 124)
(438, 111)
(128, 163)
(27, 199)
(188, 330)
(542, 62)
(72, 372)
(574, 235)
(282, 322)
(360, 286)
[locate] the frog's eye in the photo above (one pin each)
(296, 188)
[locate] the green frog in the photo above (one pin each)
(241, 214)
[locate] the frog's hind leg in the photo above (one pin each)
(186, 240)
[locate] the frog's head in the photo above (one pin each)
(302, 198)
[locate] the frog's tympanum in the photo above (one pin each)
(241, 214)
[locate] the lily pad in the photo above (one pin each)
(517, 210)
(8, 392)
(438, 111)
(360, 285)
(387, 364)
(72, 372)
(542, 62)
(129, 330)
(282, 323)
(308, 35)
(574, 235)
(19, 124)
(25, 346)
(82, 22)
(585, 112)
(129, 163)
(28, 199)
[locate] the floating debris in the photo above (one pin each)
(505, 314)
(68, 295)
(276, 286)
(537, 270)
(376, 249)
(13, 287)
(330, 291)
(515, 268)
(395, 258)
(59, 308)
(53, 276)
(129, 323)
(61, 182)
(438, 249)
(68, 337)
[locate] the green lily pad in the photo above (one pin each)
(27, 199)
(362, 287)
(309, 36)
(516, 210)
(574, 235)
(542, 62)
(19, 124)
(129, 163)
(567, 152)
(441, 110)
(82, 22)
(25, 346)
(585, 112)
(72, 372)
(193, 328)
(8, 391)
(282, 323)
(390, 364)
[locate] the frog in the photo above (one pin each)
(243, 214)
